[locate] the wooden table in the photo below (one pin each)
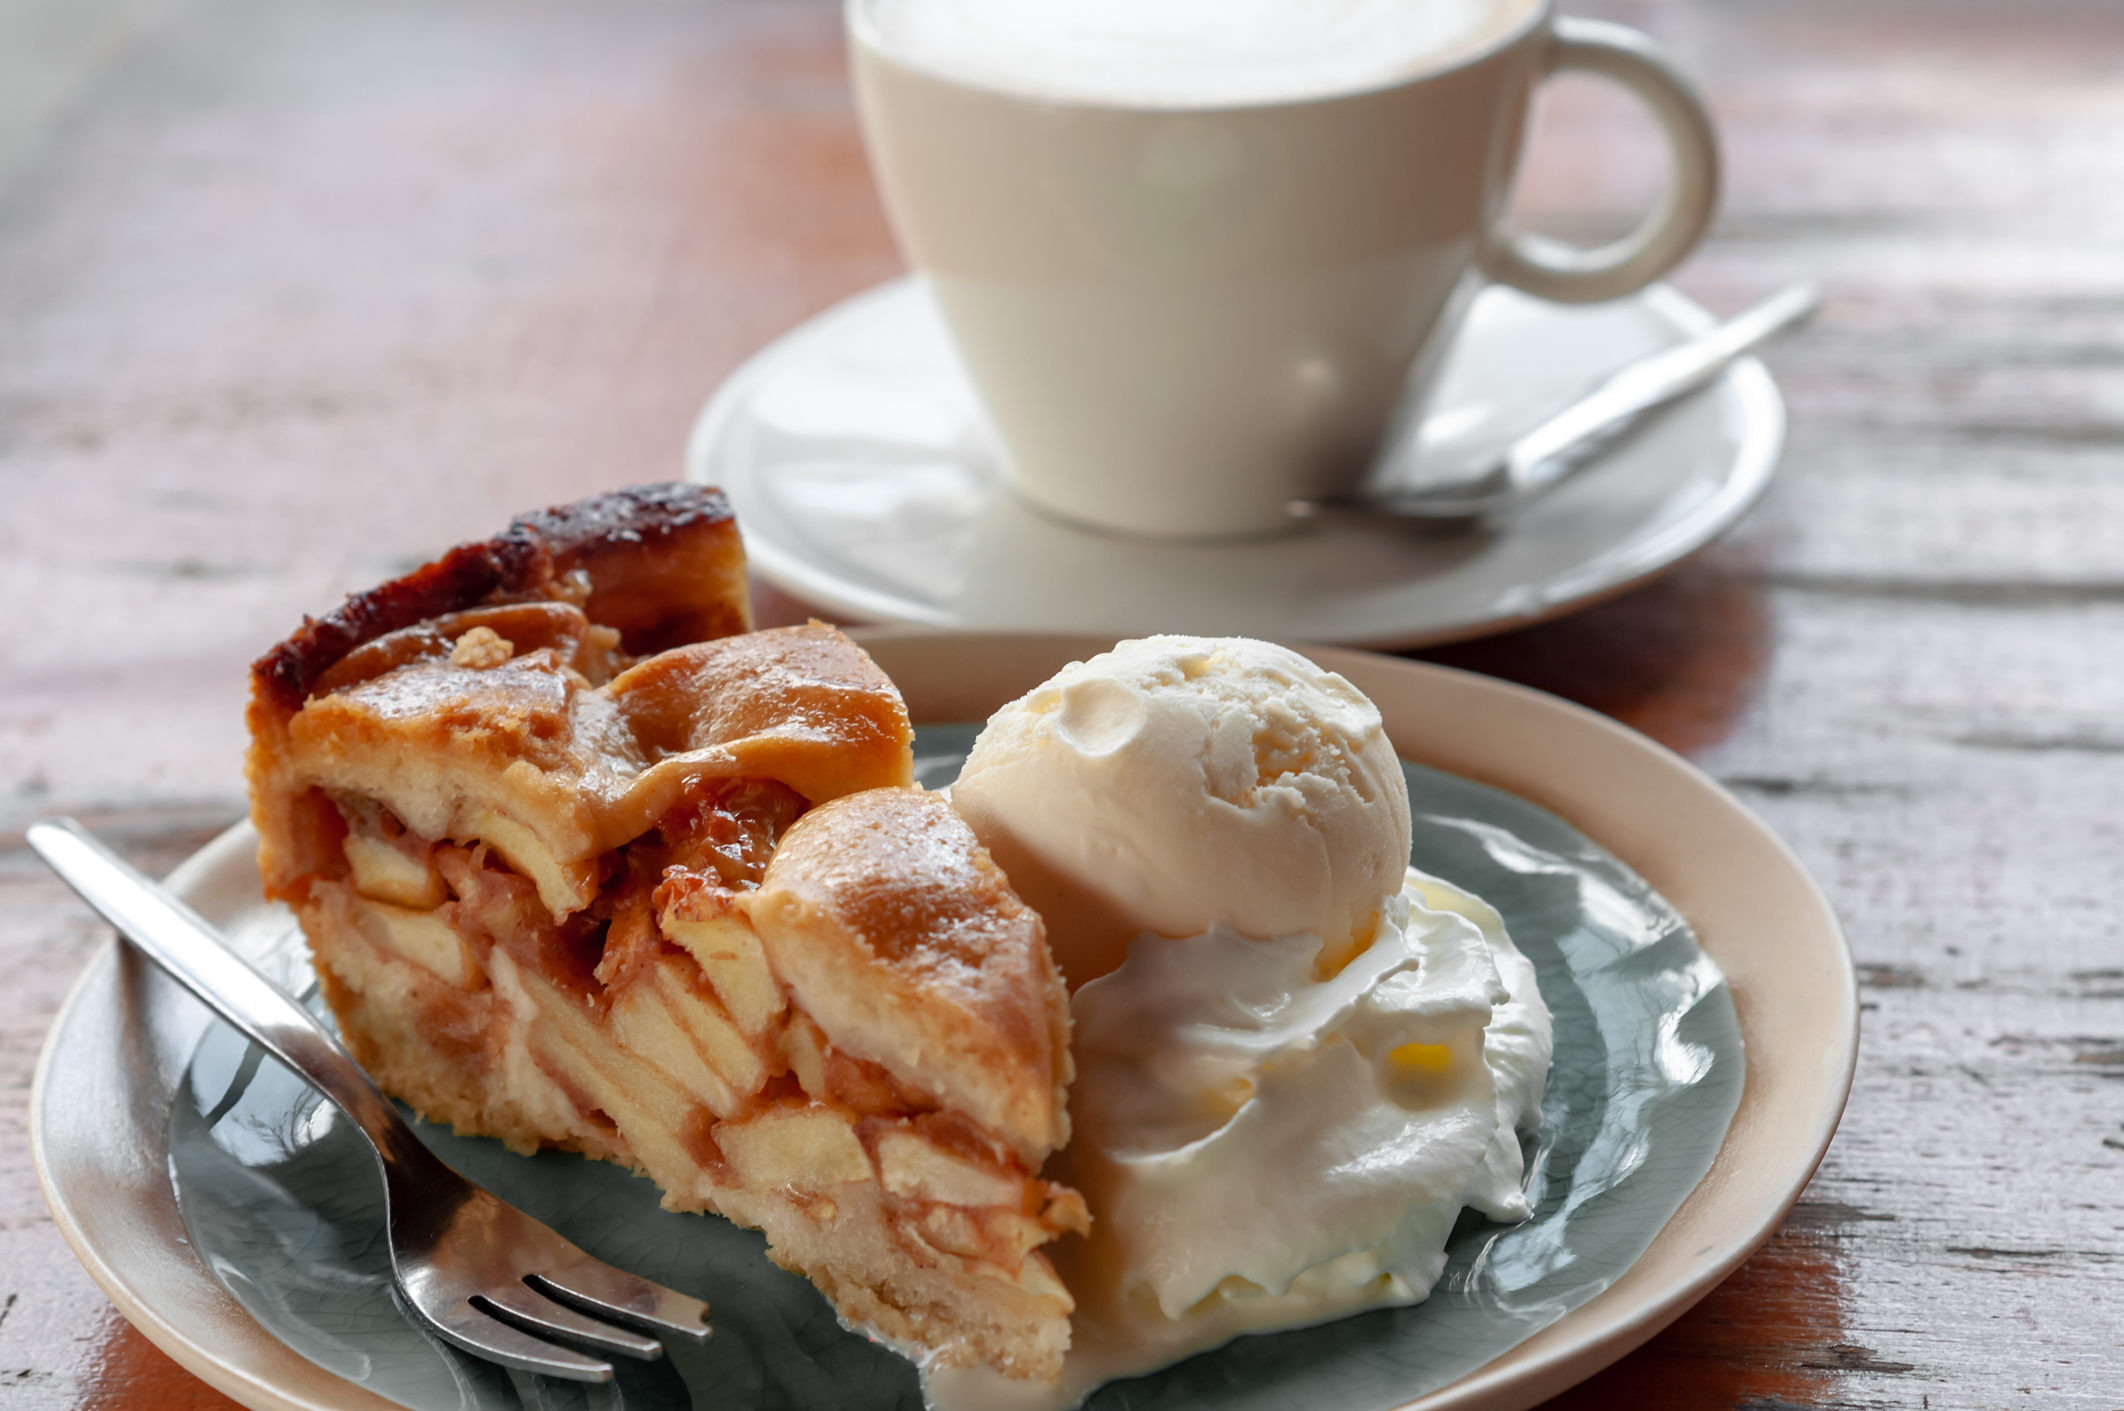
(295, 293)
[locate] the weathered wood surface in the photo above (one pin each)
(295, 293)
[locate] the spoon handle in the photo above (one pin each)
(1540, 459)
(1544, 455)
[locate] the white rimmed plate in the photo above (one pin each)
(101, 1111)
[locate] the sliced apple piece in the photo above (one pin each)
(383, 872)
(910, 1164)
(666, 1022)
(798, 1148)
(649, 1109)
(422, 937)
(564, 887)
(721, 941)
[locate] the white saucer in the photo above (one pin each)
(867, 482)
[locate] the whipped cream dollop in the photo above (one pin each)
(1251, 1132)
(1265, 1145)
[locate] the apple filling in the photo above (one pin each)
(653, 1021)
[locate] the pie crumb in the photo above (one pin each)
(481, 648)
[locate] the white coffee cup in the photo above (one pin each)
(1186, 304)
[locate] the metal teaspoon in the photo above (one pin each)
(1543, 458)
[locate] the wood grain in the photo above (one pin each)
(299, 291)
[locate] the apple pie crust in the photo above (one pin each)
(586, 863)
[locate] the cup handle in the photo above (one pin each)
(1552, 269)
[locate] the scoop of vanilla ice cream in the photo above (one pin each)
(1175, 783)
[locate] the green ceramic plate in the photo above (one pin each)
(282, 1202)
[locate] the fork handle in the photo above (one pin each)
(192, 952)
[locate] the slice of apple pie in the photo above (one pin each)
(585, 863)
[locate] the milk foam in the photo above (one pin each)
(1182, 53)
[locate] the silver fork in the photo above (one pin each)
(482, 1275)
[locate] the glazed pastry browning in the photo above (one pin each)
(659, 564)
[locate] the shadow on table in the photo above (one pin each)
(1680, 660)
(1771, 1336)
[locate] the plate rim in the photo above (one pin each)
(933, 673)
(1747, 380)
